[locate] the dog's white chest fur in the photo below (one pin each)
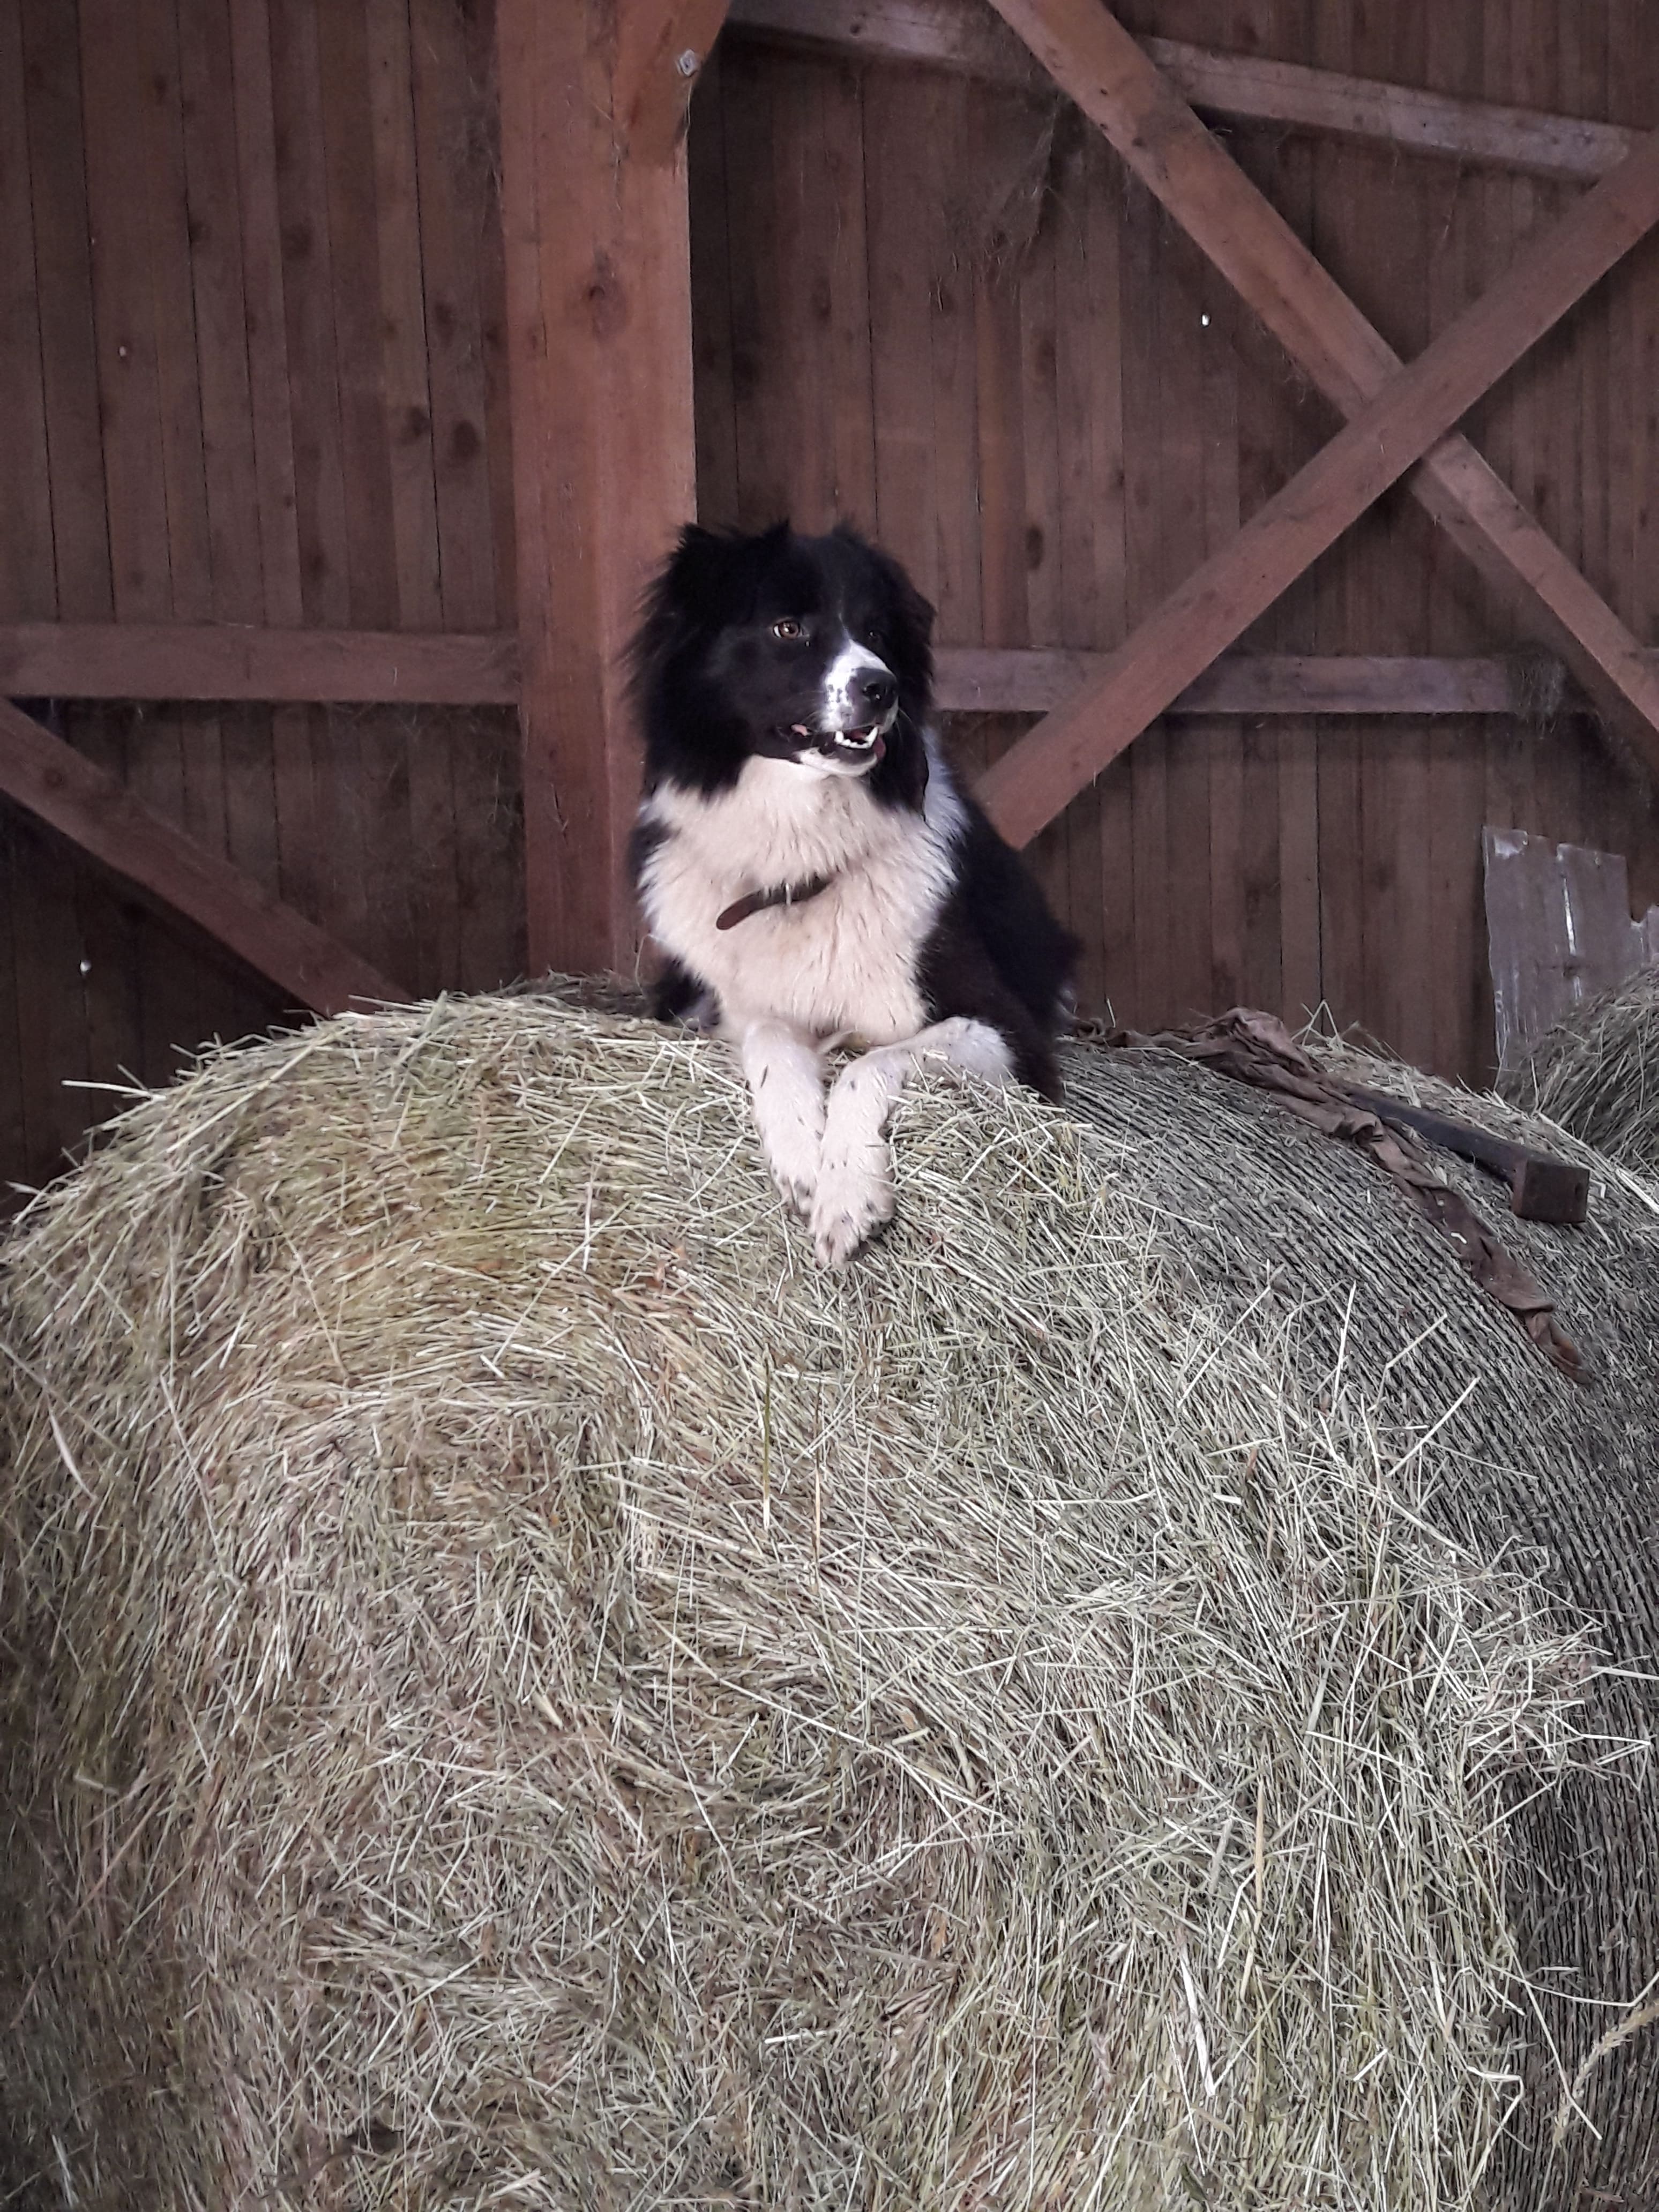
(844, 961)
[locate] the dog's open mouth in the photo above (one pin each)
(843, 744)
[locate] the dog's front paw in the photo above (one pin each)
(792, 1156)
(854, 1198)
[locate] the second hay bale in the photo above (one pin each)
(1596, 1072)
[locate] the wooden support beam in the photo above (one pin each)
(1014, 680)
(230, 660)
(963, 37)
(1162, 140)
(662, 46)
(599, 292)
(87, 804)
(233, 660)
(1247, 87)
(1032, 782)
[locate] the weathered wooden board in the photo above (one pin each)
(1559, 930)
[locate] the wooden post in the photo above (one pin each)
(599, 293)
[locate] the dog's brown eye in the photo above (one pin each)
(788, 629)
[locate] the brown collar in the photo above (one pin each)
(779, 895)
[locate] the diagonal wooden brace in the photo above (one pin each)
(88, 806)
(1028, 787)
(1096, 61)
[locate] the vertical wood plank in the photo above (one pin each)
(957, 245)
(158, 118)
(1179, 904)
(1039, 404)
(1635, 87)
(1340, 848)
(269, 396)
(129, 388)
(763, 442)
(350, 217)
(1404, 1010)
(481, 194)
(1224, 741)
(599, 293)
(491, 855)
(215, 230)
(194, 991)
(851, 428)
(1098, 571)
(80, 516)
(1140, 297)
(900, 225)
(1459, 998)
(27, 591)
(1277, 431)
(171, 1013)
(1505, 428)
(416, 750)
(798, 307)
(406, 385)
(453, 225)
(307, 294)
(13, 1131)
(1255, 429)
(1584, 87)
(52, 1028)
(714, 392)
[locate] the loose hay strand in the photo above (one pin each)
(525, 1692)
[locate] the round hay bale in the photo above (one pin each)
(1596, 1072)
(521, 1691)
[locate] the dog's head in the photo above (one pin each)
(809, 650)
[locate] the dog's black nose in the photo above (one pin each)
(879, 689)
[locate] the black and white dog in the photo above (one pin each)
(811, 868)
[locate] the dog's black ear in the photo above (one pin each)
(695, 575)
(685, 597)
(710, 575)
(900, 777)
(907, 640)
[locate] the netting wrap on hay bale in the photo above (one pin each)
(1596, 1072)
(521, 1691)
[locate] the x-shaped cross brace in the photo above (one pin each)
(1396, 416)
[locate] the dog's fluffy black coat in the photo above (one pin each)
(717, 687)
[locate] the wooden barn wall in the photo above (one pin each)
(251, 370)
(942, 309)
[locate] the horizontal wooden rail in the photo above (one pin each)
(230, 660)
(88, 806)
(223, 661)
(967, 40)
(208, 662)
(1006, 680)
